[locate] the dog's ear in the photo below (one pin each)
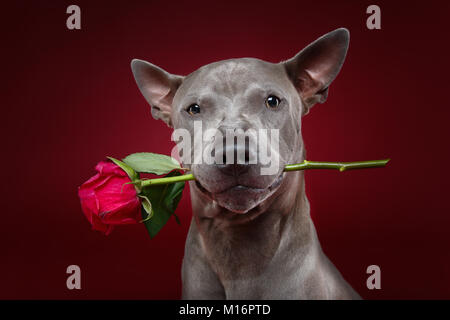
(157, 86)
(314, 68)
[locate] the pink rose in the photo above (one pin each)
(107, 200)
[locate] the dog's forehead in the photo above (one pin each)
(231, 77)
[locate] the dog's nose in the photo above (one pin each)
(235, 152)
(235, 160)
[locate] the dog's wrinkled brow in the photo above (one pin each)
(203, 97)
(265, 88)
(207, 95)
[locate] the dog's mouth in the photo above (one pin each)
(237, 191)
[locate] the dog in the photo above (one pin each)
(251, 235)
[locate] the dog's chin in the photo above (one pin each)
(241, 199)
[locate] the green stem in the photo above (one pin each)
(341, 166)
(167, 180)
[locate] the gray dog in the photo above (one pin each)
(251, 236)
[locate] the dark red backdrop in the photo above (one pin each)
(71, 100)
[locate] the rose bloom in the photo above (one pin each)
(107, 201)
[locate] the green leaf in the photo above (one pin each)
(130, 172)
(151, 162)
(164, 200)
(147, 206)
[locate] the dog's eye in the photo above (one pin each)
(193, 109)
(272, 102)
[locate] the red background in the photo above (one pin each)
(70, 100)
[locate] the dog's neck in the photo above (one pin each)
(233, 243)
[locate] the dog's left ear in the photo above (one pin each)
(314, 68)
(158, 87)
